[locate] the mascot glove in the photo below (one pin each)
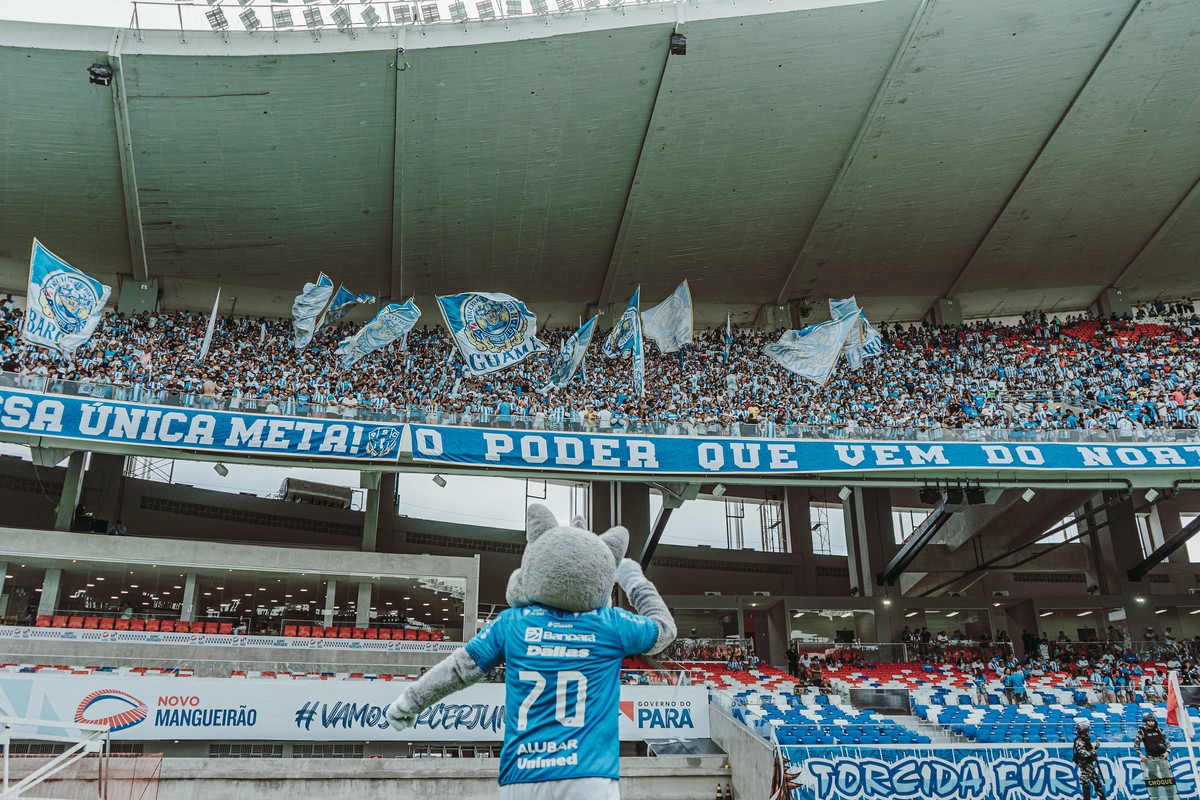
(628, 572)
(400, 714)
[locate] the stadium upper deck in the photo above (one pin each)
(964, 151)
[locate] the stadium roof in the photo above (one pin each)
(1014, 154)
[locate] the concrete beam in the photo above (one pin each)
(1011, 521)
(71, 492)
(139, 266)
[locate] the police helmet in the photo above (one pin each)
(1083, 724)
(1148, 717)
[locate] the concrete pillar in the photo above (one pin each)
(947, 311)
(1020, 616)
(330, 601)
(1118, 547)
(889, 617)
(471, 604)
(369, 481)
(634, 513)
(3, 597)
(1113, 302)
(777, 635)
(362, 609)
(71, 491)
(797, 517)
(106, 485)
(870, 540)
(187, 609)
(602, 513)
(51, 584)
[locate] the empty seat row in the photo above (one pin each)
(133, 624)
(385, 634)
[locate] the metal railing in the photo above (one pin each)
(293, 407)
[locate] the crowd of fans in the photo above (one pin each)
(1037, 375)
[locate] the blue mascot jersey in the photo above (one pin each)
(563, 687)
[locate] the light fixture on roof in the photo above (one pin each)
(887, 601)
(403, 14)
(1046, 614)
(341, 18)
(678, 45)
(952, 614)
(282, 17)
(440, 481)
(1151, 495)
(371, 17)
(250, 20)
(844, 493)
(216, 20)
(911, 614)
(1083, 613)
(1161, 611)
(220, 469)
(100, 74)
(539, 6)
(458, 11)
(313, 18)
(485, 9)
(431, 13)
(719, 490)
(1028, 495)
(514, 8)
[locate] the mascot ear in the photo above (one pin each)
(538, 520)
(515, 592)
(579, 522)
(617, 540)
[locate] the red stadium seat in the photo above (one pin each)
(372, 633)
(168, 625)
(122, 624)
(197, 627)
(152, 625)
(410, 635)
(290, 630)
(107, 623)
(43, 621)
(210, 627)
(385, 634)
(60, 621)
(303, 631)
(357, 633)
(343, 633)
(317, 632)
(75, 622)
(423, 635)
(138, 625)
(225, 627)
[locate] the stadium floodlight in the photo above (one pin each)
(566, 5)
(220, 469)
(371, 18)
(845, 493)
(1028, 495)
(250, 20)
(313, 18)
(440, 481)
(540, 6)
(1151, 495)
(485, 9)
(341, 18)
(591, 4)
(431, 13)
(615, 3)
(403, 13)
(244, 3)
(719, 490)
(458, 11)
(216, 20)
(283, 17)
(514, 8)
(887, 601)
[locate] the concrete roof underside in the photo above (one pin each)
(1014, 154)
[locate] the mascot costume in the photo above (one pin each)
(563, 645)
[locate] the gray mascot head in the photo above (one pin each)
(565, 567)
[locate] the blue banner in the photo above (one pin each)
(570, 357)
(679, 455)
(308, 310)
(907, 772)
(183, 428)
(394, 321)
(65, 306)
(344, 301)
(491, 330)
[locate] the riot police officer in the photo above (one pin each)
(1085, 756)
(1152, 745)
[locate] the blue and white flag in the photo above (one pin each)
(639, 362)
(622, 338)
(570, 357)
(863, 341)
(812, 352)
(65, 306)
(393, 322)
(344, 301)
(491, 330)
(728, 335)
(212, 327)
(669, 324)
(309, 308)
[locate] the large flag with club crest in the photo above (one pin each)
(863, 341)
(570, 357)
(344, 301)
(491, 330)
(210, 330)
(308, 310)
(393, 322)
(669, 324)
(65, 306)
(625, 340)
(812, 352)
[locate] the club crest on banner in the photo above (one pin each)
(382, 441)
(69, 299)
(491, 325)
(622, 337)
